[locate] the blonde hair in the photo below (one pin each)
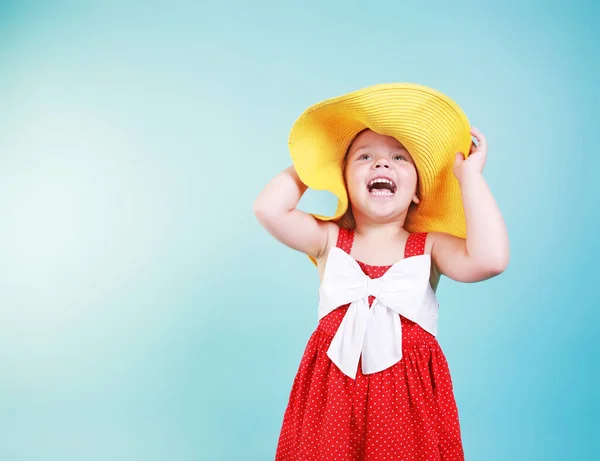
(347, 220)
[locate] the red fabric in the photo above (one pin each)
(405, 412)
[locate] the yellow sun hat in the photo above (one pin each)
(431, 126)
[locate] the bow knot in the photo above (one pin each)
(373, 286)
(376, 332)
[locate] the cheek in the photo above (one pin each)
(408, 173)
(348, 175)
(353, 180)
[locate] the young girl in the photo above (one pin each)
(373, 383)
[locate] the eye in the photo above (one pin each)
(363, 156)
(399, 156)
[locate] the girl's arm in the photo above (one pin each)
(275, 209)
(485, 251)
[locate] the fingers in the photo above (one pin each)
(481, 141)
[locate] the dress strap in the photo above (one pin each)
(345, 239)
(415, 245)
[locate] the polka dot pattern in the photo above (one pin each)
(406, 412)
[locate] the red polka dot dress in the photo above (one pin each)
(403, 413)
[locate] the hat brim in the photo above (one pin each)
(431, 126)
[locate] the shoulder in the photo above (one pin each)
(332, 231)
(442, 240)
(430, 239)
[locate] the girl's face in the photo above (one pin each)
(381, 176)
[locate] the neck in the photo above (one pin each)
(388, 231)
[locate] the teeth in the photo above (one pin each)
(381, 191)
(376, 180)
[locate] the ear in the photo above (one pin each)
(416, 199)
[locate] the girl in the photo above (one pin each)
(373, 383)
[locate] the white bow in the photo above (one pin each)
(375, 332)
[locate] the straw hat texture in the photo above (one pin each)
(431, 126)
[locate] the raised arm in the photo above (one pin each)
(485, 252)
(275, 209)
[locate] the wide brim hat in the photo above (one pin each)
(431, 126)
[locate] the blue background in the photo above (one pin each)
(146, 315)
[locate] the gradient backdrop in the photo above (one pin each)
(146, 315)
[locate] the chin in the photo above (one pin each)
(382, 210)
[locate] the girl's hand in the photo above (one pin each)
(475, 162)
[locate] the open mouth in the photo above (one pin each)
(381, 187)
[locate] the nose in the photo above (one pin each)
(382, 162)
